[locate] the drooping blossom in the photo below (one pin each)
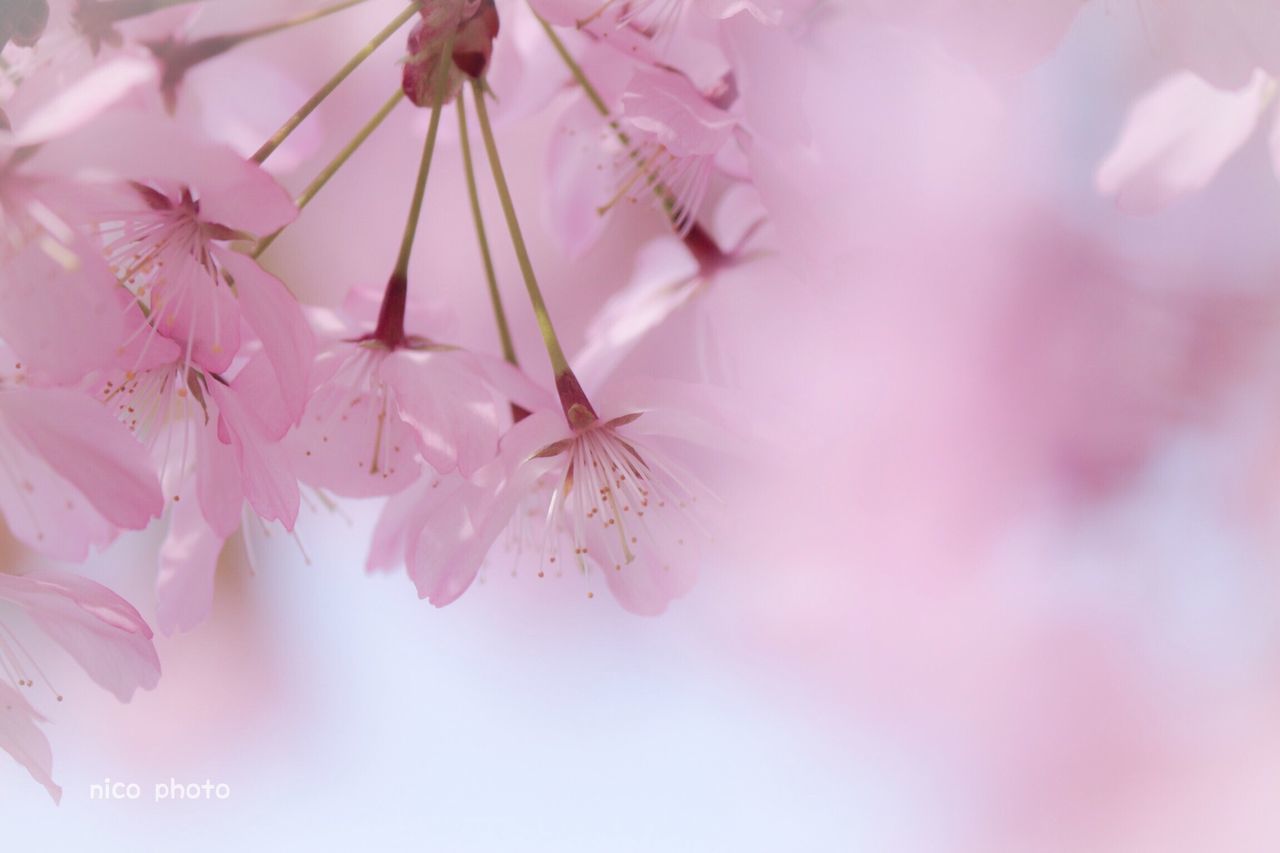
(607, 496)
(663, 148)
(386, 398)
(101, 631)
(218, 445)
(168, 232)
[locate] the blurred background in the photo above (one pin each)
(999, 576)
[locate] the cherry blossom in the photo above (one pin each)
(379, 406)
(98, 629)
(601, 495)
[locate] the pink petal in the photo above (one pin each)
(444, 397)
(213, 95)
(665, 277)
(653, 580)
(1175, 140)
(667, 105)
(464, 519)
(232, 191)
(400, 516)
(22, 738)
(266, 477)
(45, 511)
(79, 103)
(102, 631)
(188, 563)
(513, 383)
(337, 446)
(277, 318)
(46, 301)
(581, 178)
(93, 451)
(565, 13)
(219, 487)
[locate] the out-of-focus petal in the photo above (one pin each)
(22, 738)
(93, 451)
(102, 631)
(88, 97)
(188, 562)
(665, 277)
(213, 96)
(1176, 138)
(443, 396)
(50, 295)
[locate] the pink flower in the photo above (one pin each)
(70, 475)
(678, 132)
(100, 630)
(168, 234)
(678, 138)
(1178, 136)
(386, 398)
(226, 435)
(596, 494)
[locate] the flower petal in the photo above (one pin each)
(93, 451)
(102, 631)
(1175, 140)
(22, 738)
(188, 562)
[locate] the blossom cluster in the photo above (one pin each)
(155, 371)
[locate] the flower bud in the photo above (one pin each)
(472, 27)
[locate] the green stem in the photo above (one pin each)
(327, 89)
(335, 164)
(428, 148)
(298, 20)
(558, 362)
(499, 314)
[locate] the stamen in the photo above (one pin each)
(10, 649)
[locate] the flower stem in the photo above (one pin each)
(326, 90)
(499, 314)
(577, 408)
(390, 328)
(335, 164)
(424, 168)
(558, 362)
(297, 20)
